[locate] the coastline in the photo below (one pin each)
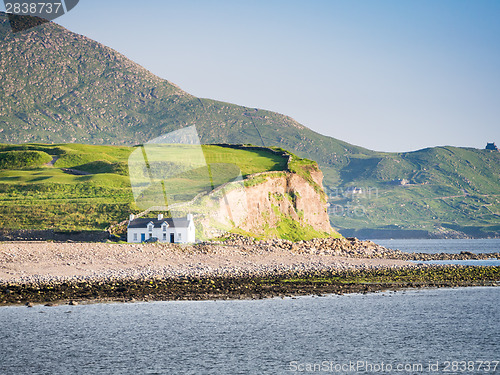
(239, 268)
(47, 262)
(233, 288)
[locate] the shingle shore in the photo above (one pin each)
(52, 273)
(43, 262)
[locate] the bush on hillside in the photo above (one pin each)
(23, 159)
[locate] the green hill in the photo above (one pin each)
(61, 87)
(437, 192)
(87, 187)
(23, 159)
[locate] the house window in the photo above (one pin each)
(180, 236)
(135, 236)
(150, 227)
(164, 228)
(164, 236)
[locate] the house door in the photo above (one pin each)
(143, 237)
(172, 238)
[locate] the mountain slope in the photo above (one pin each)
(58, 86)
(436, 192)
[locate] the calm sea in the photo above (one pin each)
(443, 246)
(439, 331)
(448, 246)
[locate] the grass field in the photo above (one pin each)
(44, 196)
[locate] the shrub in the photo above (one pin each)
(23, 159)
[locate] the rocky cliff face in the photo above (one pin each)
(273, 205)
(286, 196)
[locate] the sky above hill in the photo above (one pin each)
(386, 75)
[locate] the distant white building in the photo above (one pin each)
(172, 230)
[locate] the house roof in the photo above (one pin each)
(172, 222)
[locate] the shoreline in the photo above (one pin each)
(33, 262)
(292, 284)
(237, 268)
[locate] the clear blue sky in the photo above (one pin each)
(386, 75)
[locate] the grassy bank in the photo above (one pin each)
(292, 284)
(74, 187)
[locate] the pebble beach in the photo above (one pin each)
(235, 268)
(43, 262)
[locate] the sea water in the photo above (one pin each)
(429, 331)
(455, 246)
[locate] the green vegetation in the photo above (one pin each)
(285, 227)
(250, 159)
(59, 197)
(100, 97)
(293, 230)
(43, 197)
(23, 159)
(437, 191)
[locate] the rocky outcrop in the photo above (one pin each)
(272, 204)
(349, 247)
(286, 195)
(289, 204)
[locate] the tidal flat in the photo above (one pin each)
(257, 287)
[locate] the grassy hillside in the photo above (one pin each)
(437, 190)
(58, 86)
(23, 159)
(62, 87)
(58, 196)
(45, 196)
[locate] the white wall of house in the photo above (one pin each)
(165, 233)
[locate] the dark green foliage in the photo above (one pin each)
(23, 159)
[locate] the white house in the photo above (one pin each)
(173, 230)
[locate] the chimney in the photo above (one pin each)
(160, 216)
(190, 217)
(131, 217)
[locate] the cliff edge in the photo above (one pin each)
(288, 204)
